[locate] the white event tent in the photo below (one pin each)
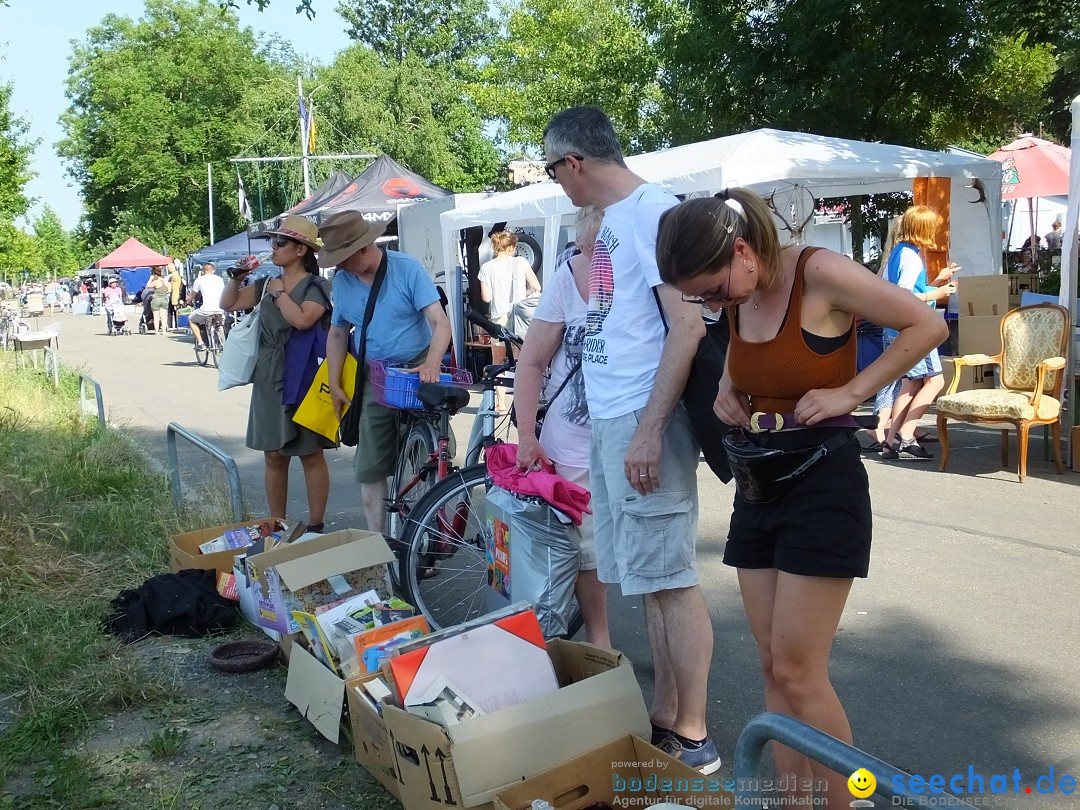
(767, 161)
(1070, 249)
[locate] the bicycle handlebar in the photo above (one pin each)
(492, 328)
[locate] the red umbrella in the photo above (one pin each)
(1032, 167)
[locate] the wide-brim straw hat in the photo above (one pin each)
(344, 233)
(300, 229)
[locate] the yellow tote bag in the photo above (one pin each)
(316, 410)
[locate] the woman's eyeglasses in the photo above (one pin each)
(280, 241)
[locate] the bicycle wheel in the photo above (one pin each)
(202, 353)
(217, 344)
(419, 444)
(444, 567)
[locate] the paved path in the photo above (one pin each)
(960, 649)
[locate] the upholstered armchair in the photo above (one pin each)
(1031, 361)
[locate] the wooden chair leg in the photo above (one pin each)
(943, 440)
(1022, 447)
(1055, 431)
(1004, 449)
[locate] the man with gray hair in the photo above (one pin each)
(640, 340)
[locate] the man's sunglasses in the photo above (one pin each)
(549, 168)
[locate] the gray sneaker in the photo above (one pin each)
(703, 758)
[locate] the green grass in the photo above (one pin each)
(82, 517)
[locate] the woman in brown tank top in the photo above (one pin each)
(792, 352)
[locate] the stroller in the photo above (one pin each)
(116, 314)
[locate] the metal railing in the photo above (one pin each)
(85, 378)
(820, 747)
(232, 473)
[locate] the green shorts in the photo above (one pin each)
(380, 436)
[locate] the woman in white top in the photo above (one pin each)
(504, 281)
(554, 344)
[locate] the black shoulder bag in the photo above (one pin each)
(700, 392)
(349, 431)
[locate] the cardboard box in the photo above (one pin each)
(371, 740)
(625, 773)
(1020, 283)
(982, 295)
(184, 548)
(971, 377)
(467, 764)
(317, 692)
(979, 334)
(320, 571)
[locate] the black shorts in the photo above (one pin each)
(821, 528)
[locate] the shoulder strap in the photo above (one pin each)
(566, 379)
(660, 307)
(380, 274)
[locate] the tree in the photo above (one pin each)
(15, 155)
(864, 70)
(54, 244)
(152, 102)
(409, 110)
(451, 32)
(18, 254)
(1007, 98)
(555, 55)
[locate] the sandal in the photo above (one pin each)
(922, 436)
(867, 442)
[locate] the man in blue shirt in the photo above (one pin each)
(408, 328)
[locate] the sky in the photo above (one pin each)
(35, 37)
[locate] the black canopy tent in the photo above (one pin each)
(335, 184)
(380, 190)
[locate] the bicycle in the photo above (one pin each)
(213, 341)
(422, 460)
(444, 568)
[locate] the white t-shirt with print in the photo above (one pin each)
(506, 281)
(211, 286)
(624, 333)
(567, 432)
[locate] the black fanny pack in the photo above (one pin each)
(764, 474)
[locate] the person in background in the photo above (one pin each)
(1053, 239)
(504, 281)
(176, 282)
(554, 342)
(792, 312)
(640, 340)
(922, 383)
(158, 289)
(290, 303)
(210, 286)
(408, 328)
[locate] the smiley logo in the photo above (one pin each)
(861, 783)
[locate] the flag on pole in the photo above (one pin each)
(311, 130)
(245, 206)
(303, 120)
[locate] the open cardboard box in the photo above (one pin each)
(467, 764)
(319, 571)
(982, 295)
(184, 548)
(627, 772)
(316, 692)
(371, 741)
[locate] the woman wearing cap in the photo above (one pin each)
(294, 301)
